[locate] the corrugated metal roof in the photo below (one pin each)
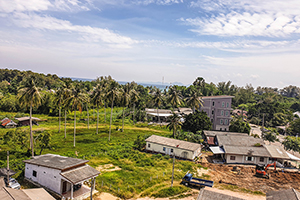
(38, 194)
(290, 194)
(277, 152)
(238, 140)
(173, 142)
(12, 194)
(246, 150)
(217, 150)
(27, 118)
(210, 140)
(214, 133)
(80, 174)
(205, 194)
(55, 161)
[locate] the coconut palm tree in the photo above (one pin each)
(112, 95)
(75, 101)
(175, 98)
(66, 106)
(157, 99)
(194, 100)
(174, 124)
(125, 97)
(134, 97)
(58, 101)
(97, 99)
(29, 95)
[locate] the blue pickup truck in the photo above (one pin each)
(189, 180)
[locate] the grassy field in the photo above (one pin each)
(141, 174)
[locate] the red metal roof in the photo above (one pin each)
(5, 121)
(211, 140)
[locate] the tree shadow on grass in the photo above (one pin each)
(87, 141)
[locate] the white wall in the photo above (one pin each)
(47, 177)
(243, 159)
(178, 152)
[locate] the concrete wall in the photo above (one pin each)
(47, 177)
(243, 159)
(178, 152)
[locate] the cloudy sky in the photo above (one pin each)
(245, 41)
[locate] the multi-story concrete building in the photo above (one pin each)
(218, 110)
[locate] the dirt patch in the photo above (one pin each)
(223, 175)
(106, 196)
(107, 168)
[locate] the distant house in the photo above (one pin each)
(26, 194)
(25, 121)
(242, 148)
(169, 146)
(8, 123)
(163, 114)
(218, 110)
(290, 194)
(62, 175)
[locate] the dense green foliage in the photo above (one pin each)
(238, 125)
(197, 121)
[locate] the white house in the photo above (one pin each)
(60, 174)
(169, 146)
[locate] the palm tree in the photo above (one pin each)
(194, 100)
(66, 106)
(174, 97)
(58, 101)
(158, 99)
(96, 99)
(29, 95)
(125, 96)
(174, 124)
(75, 101)
(113, 93)
(134, 97)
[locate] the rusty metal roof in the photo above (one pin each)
(80, 174)
(246, 150)
(277, 152)
(206, 194)
(173, 143)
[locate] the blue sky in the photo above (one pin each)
(248, 42)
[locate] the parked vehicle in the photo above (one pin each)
(13, 183)
(189, 180)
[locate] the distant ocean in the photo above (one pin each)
(156, 84)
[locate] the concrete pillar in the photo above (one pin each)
(71, 190)
(94, 183)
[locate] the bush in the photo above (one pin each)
(170, 191)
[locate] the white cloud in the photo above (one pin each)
(88, 33)
(159, 2)
(8, 6)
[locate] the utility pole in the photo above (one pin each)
(263, 124)
(7, 168)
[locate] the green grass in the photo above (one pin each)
(140, 171)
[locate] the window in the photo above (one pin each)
(171, 150)
(164, 148)
(226, 121)
(222, 112)
(212, 120)
(34, 173)
(261, 159)
(227, 104)
(212, 112)
(223, 104)
(232, 157)
(220, 129)
(249, 158)
(221, 121)
(213, 103)
(226, 113)
(148, 145)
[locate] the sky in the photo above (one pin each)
(245, 41)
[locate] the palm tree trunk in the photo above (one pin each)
(31, 136)
(74, 125)
(97, 119)
(59, 113)
(87, 111)
(65, 123)
(194, 109)
(133, 112)
(158, 116)
(123, 121)
(104, 112)
(111, 113)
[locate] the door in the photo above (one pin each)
(64, 187)
(168, 151)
